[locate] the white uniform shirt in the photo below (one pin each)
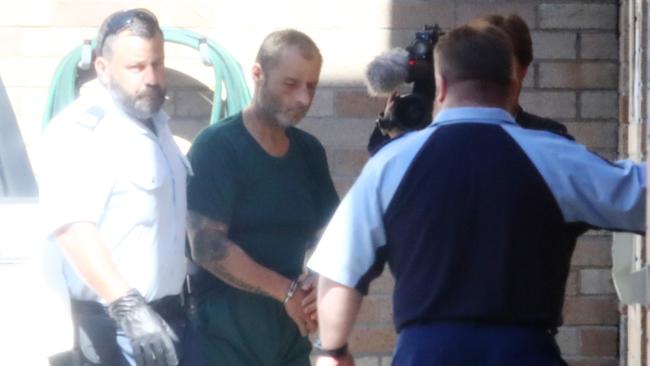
(100, 166)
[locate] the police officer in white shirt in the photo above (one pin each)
(113, 191)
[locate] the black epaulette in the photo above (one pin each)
(91, 117)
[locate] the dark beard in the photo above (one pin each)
(141, 106)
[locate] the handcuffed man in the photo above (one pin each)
(260, 193)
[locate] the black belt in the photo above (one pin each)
(167, 307)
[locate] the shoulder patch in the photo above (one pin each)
(91, 117)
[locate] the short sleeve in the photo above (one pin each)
(76, 176)
(326, 197)
(211, 191)
(588, 188)
(347, 250)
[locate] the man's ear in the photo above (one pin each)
(258, 74)
(441, 89)
(522, 71)
(101, 68)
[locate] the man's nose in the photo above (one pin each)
(304, 96)
(151, 76)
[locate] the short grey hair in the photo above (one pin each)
(273, 45)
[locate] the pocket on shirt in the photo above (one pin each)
(147, 179)
(147, 172)
(145, 195)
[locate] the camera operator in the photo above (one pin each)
(477, 218)
(380, 136)
(381, 77)
(393, 131)
(388, 71)
(517, 30)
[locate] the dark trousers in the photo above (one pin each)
(460, 344)
(96, 335)
(238, 328)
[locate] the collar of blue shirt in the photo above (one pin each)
(473, 115)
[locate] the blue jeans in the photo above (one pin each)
(471, 344)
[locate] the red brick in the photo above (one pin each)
(323, 104)
(357, 104)
(623, 108)
(366, 361)
(578, 75)
(572, 283)
(593, 250)
(601, 341)
(554, 45)
(384, 284)
(599, 105)
(348, 162)
(568, 339)
(372, 339)
(342, 185)
(466, 12)
(591, 310)
(376, 309)
(330, 153)
(343, 133)
(555, 104)
(599, 46)
(596, 281)
(610, 154)
(411, 14)
(595, 135)
(577, 16)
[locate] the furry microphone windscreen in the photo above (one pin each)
(387, 72)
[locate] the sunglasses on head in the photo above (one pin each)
(123, 19)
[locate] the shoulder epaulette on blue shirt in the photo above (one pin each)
(91, 117)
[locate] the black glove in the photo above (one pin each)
(150, 336)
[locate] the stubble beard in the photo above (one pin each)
(141, 106)
(272, 108)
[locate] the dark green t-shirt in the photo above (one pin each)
(273, 206)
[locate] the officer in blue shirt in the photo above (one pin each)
(112, 188)
(477, 218)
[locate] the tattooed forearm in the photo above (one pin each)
(225, 275)
(212, 249)
(208, 239)
(210, 245)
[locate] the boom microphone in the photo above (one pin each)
(387, 72)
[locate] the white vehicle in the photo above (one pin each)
(35, 318)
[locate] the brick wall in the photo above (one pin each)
(574, 79)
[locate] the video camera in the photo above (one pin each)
(414, 65)
(413, 111)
